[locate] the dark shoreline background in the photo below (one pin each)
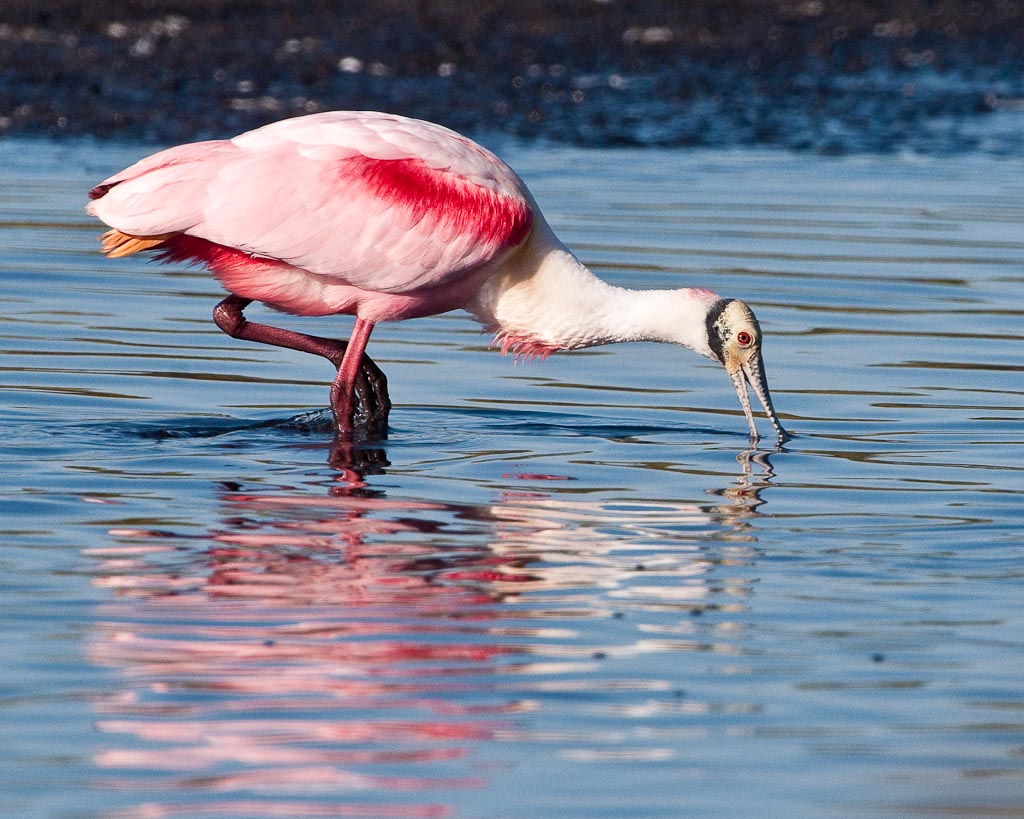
(816, 75)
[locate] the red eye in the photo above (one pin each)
(743, 338)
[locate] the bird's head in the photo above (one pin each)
(734, 337)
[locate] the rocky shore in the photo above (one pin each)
(815, 75)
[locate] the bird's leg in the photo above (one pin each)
(228, 317)
(344, 390)
(370, 383)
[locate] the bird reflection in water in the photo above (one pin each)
(347, 654)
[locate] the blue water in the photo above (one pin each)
(555, 590)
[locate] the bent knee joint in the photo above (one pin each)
(229, 319)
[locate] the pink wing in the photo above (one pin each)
(383, 203)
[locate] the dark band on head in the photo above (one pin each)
(714, 337)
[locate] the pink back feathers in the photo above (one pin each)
(381, 203)
(445, 199)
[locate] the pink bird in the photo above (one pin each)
(387, 218)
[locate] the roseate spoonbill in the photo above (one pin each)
(387, 218)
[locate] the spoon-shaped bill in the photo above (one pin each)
(752, 371)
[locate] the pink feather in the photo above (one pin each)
(325, 213)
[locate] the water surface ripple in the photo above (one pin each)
(561, 589)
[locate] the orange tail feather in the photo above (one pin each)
(117, 244)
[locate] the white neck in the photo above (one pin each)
(544, 297)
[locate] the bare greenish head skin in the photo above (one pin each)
(735, 338)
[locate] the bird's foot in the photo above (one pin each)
(366, 404)
(372, 398)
